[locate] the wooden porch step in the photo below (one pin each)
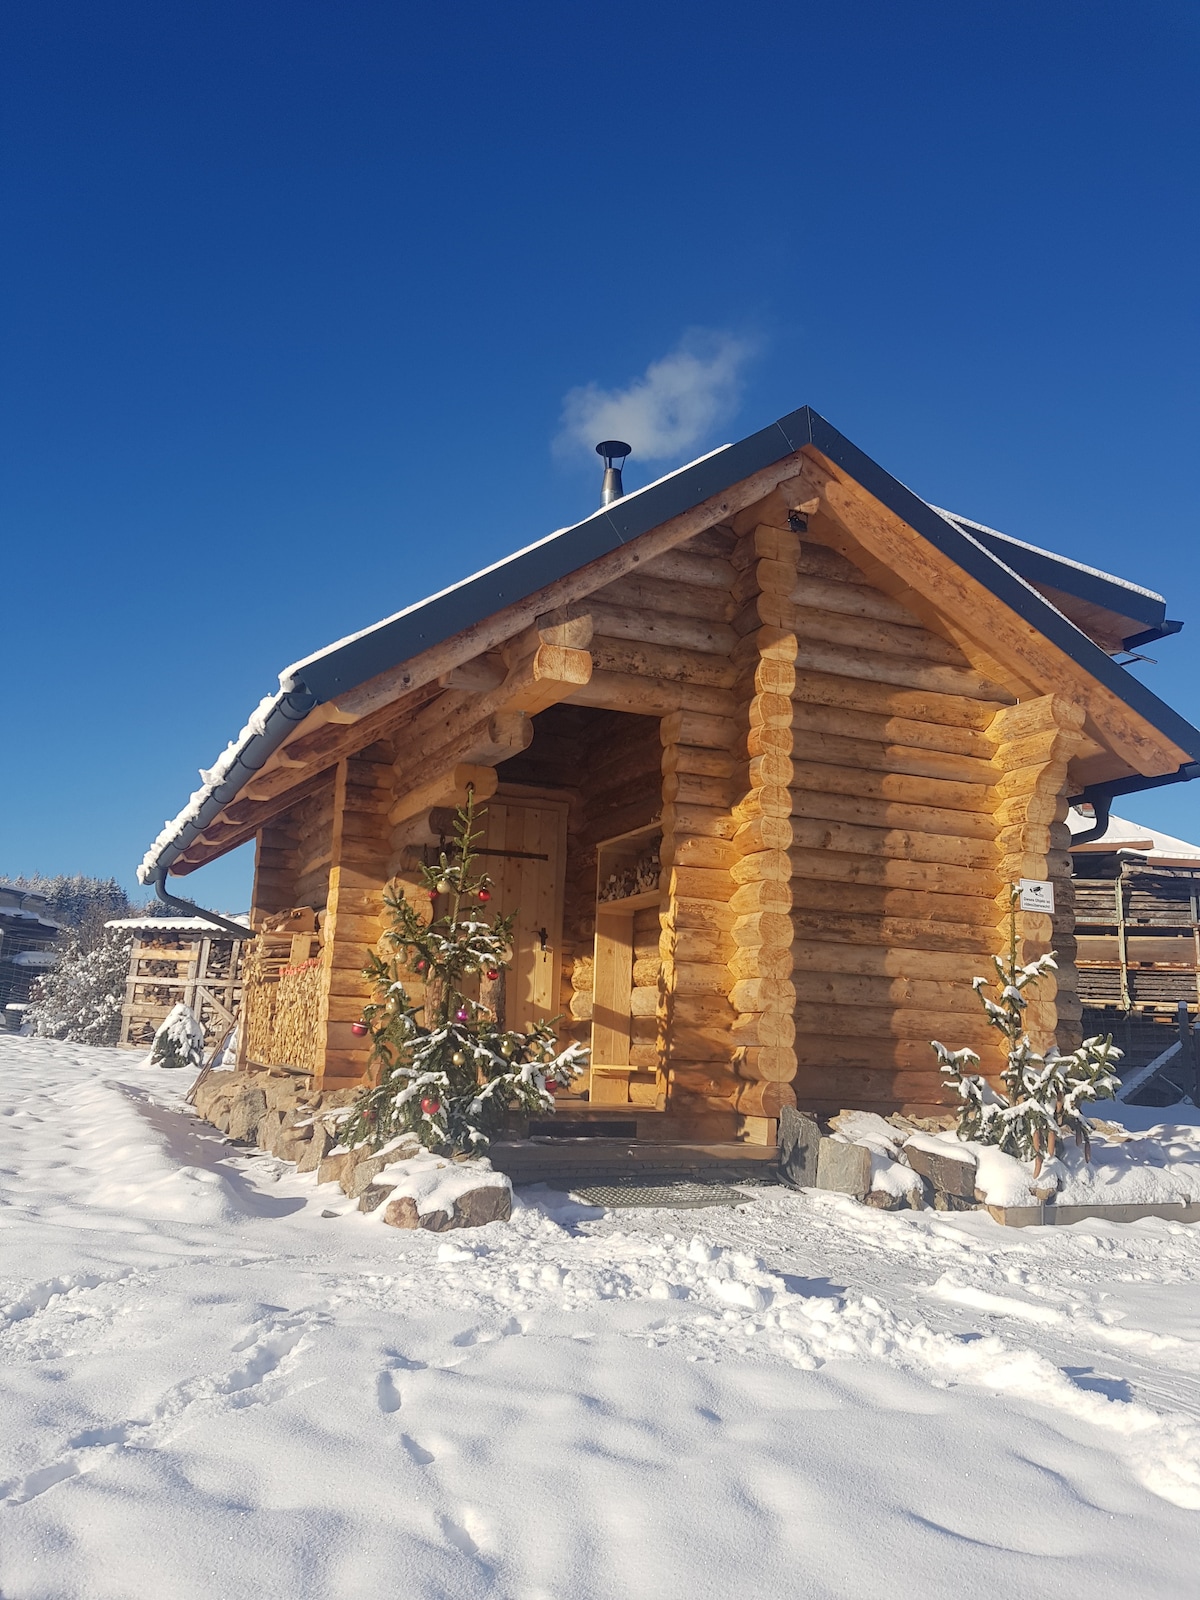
(568, 1164)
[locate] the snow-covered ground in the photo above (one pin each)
(213, 1388)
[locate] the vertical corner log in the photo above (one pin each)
(357, 874)
(762, 993)
(1035, 741)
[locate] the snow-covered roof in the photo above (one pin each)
(995, 560)
(174, 924)
(1131, 837)
(1132, 589)
(35, 958)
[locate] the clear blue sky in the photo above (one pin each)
(293, 296)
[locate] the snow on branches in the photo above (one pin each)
(1043, 1094)
(447, 1070)
(179, 1041)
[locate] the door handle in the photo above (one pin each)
(543, 938)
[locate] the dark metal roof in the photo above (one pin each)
(992, 562)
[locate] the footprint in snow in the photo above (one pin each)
(386, 1392)
(419, 1454)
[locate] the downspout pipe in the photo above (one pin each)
(1101, 795)
(1102, 806)
(188, 908)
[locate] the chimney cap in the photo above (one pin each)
(610, 449)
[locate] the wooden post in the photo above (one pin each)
(1034, 742)
(357, 874)
(762, 991)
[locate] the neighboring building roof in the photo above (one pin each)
(195, 925)
(1121, 836)
(1124, 602)
(34, 958)
(357, 658)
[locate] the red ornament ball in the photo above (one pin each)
(485, 894)
(358, 1029)
(433, 894)
(492, 974)
(551, 1085)
(430, 1106)
(421, 965)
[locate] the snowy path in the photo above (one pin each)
(210, 1389)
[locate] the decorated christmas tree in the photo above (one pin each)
(1043, 1094)
(448, 1069)
(179, 1041)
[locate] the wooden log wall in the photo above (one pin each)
(893, 850)
(360, 847)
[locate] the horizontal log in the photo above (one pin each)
(762, 994)
(913, 933)
(693, 851)
(624, 691)
(766, 1063)
(906, 733)
(867, 811)
(699, 729)
(753, 897)
(687, 567)
(712, 604)
(448, 787)
(662, 662)
(864, 754)
(955, 1029)
(934, 877)
(647, 626)
(898, 844)
(941, 994)
(757, 928)
(764, 1099)
(763, 833)
(696, 977)
(762, 866)
(894, 1055)
(884, 962)
(876, 667)
(865, 1088)
(691, 789)
(769, 1028)
(832, 687)
(764, 961)
(933, 792)
(698, 760)
(691, 821)
(814, 894)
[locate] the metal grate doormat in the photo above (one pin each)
(661, 1196)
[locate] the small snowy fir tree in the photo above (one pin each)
(450, 1075)
(81, 998)
(179, 1041)
(1043, 1095)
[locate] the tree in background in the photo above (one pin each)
(450, 1076)
(81, 997)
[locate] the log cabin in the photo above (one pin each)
(762, 747)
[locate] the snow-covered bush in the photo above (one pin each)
(450, 1076)
(1043, 1094)
(179, 1041)
(81, 998)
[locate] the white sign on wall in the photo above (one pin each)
(1036, 894)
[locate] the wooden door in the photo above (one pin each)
(524, 851)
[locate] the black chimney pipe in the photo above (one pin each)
(613, 451)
